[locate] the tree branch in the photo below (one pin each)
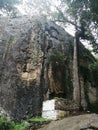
(65, 19)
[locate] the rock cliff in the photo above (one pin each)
(36, 61)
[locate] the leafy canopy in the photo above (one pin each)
(83, 14)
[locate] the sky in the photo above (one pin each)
(24, 10)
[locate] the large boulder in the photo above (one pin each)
(80, 122)
(36, 61)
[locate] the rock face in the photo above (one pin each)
(36, 59)
(21, 67)
(82, 122)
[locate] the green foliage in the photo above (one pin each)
(5, 124)
(94, 66)
(84, 15)
(20, 126)
(39, 119)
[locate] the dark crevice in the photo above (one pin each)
(90, 128)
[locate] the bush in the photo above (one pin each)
(6, 124)
(20, 126)
(9, 125)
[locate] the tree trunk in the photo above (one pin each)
(76, 86)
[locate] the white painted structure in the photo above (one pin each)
(48, 109)
(49, 112)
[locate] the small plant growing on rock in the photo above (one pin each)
(94, 66)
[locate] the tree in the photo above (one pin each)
(85, 19)
(83, 15)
